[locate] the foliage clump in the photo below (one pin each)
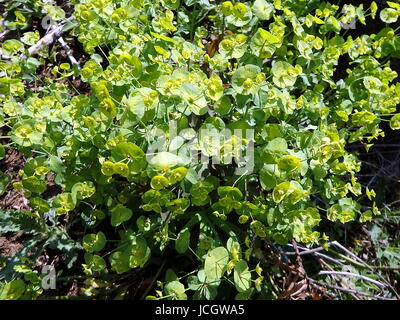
(229, 67)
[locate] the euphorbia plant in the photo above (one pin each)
(269, 94)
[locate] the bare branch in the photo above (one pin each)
(350, 274)
(48, 38)
(305, 250)
(350, 291)
(68, 52)
(337, 244)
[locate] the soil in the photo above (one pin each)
(10, 244)
(10, 166)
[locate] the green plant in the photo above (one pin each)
(269, 95)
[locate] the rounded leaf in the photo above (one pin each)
(389, 15)
(242, 276)
(130, 151)
(13, 290)
(176, 290)
(95, 262)
(94, 242)
(178, 175)
(119, 262)
(216, 263)
(159, 182)
(284, 74)
(164, 160)
(289, 163)
(243, 80)
(263, 9)
(120, 214)
(395, 122)
(182, 242)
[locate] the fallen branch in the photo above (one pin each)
(67, 49)
(337, 244)
(48, 38)
(305, 250)
(314, 252)
(3, 34)
(327, 265)
(324, 256)
(350, 274)
(350, 291)
(358, 260)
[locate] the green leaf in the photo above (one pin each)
(33, 184)
(140, 253)
(120, 261)
(26, 133)
(194, 98)
(230, 192)
(241, 15)
(242, 276)
(120, 214)
(280, 191)
(159, 182)
(56, 165)
(83, 190)
(269, 176)
(95, 262)
(135, 104)
(258, 228)
(63, 202)
(223, 106)
(284, 74)
(289, 163)
(395, 122)
(366, 216)
(344, 210)
(4, 182)
(277, 145)
(239, 128)
(13, 290)
(121, 169)
(165, 160)
(362, 118)
(216, 263)
(215, 88)
(275, 149)
(389, 15)
(183, 240)
(233, 246)
(178, 175)
(94, 242)
(244, 80)
(130, 151)
(176, 290)
(2, 152)
(263, 9)
(264, 43)
(12, 46)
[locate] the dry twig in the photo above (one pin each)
(350, 274)
(348, 290)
